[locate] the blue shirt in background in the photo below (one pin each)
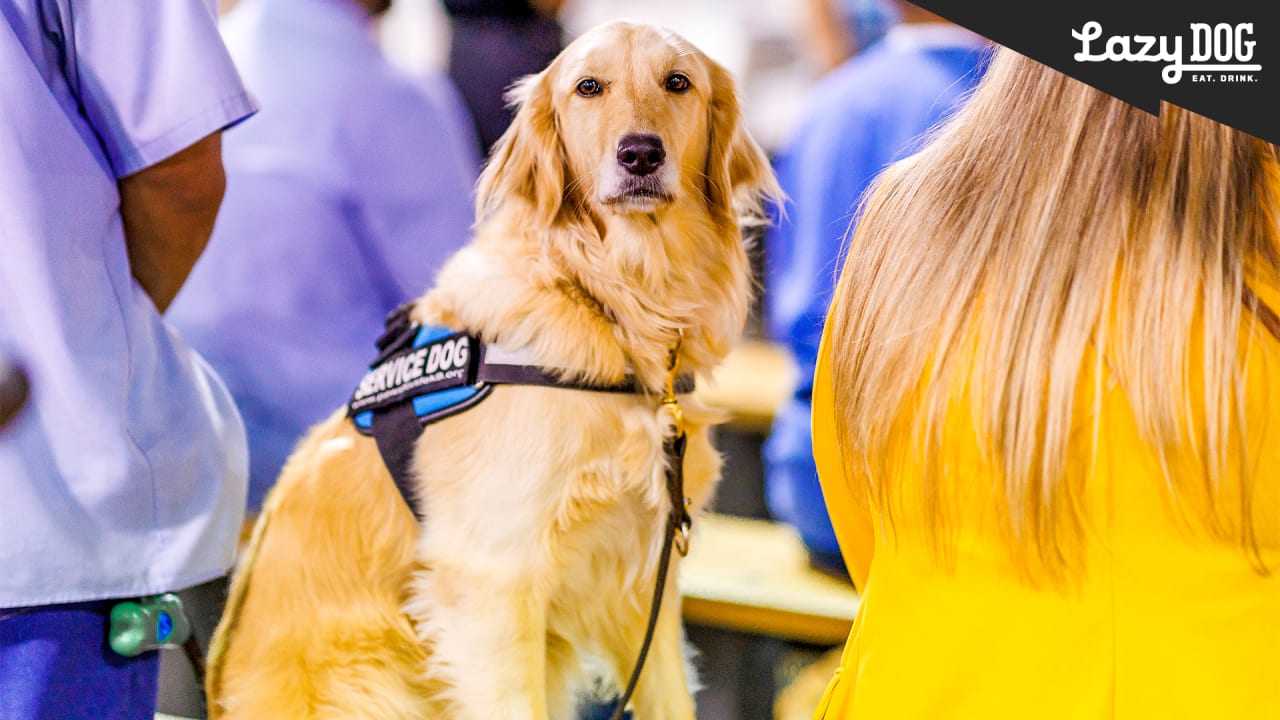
(126, 474)
(344, 195)
(869, 112)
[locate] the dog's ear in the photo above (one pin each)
(527, 163)
(739, 175)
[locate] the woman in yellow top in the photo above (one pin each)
(1047, 416)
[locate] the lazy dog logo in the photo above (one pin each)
(1219, 53)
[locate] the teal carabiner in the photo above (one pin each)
(149, 623)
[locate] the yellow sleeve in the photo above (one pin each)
(850, 518)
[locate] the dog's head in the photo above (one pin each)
(629, 119)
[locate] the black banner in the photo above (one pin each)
(441, 364)
(1220, 59)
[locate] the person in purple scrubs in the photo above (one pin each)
(126, 474)
(344, 195)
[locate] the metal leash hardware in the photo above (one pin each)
(674, 452)
(678, 523)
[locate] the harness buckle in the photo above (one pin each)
(677, 415)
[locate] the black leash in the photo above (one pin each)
(678, 522)
(195, 656)
(619, 710)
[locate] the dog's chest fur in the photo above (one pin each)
(564, 487)
(569, 481)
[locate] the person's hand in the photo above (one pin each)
(548, 8)
(13, 390)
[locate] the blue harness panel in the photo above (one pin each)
(426, 373)
(435, 373)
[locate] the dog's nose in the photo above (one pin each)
(641, 154)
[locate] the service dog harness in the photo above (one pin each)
(424, 374)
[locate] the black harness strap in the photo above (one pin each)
(390, 431)
(396, 430)
(532, 375)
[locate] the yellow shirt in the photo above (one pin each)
(1159, 625)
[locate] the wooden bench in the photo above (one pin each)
(754, 576)
(752, 382)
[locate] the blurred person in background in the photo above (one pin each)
(125, 475)
(344, 196)
(1045, 416)
(494, 43)
(860, 117)
(840, 29)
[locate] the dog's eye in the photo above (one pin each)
(588, 87)
(677, 83)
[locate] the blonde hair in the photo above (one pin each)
(1049, 226)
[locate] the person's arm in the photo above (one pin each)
(827, 34)
(168, 210)
(156, 84)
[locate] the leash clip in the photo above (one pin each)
(669, 388)
(680, 504)
(681, 539)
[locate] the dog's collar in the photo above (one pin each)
(424, 374)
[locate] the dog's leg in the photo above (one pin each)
(488, 642)
(313, 628)
(662, 692)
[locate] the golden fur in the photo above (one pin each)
(544, 507)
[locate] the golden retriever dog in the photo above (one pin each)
(609, 226)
